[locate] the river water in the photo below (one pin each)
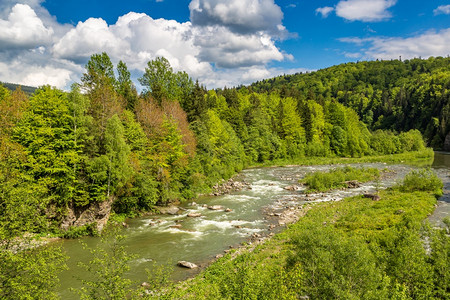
(199, 240)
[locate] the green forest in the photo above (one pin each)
(102, 141)
(70, 159)
(391, 95)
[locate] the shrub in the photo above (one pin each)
(424, 180)
(336, 178)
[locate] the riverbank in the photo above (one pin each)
(256, 213)
(372, 241)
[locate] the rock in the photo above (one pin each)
(292, 188)
(352, 184)
(194, 215)
(237, 226)
(372, 196)
(146, 285)
(186, 264)
(124, 225)
(447, 142)
(178, 226)
(192, 204)
(228, 210)
(170, 210)
(303, 297)
(96, 213)
(215, 207)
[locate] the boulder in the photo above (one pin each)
(194, 215)
(352, 184)
(215, 207)
(186, 264)
(95, 213)
(372, 196)
(292, 188)
(170, 210)
(228, 210)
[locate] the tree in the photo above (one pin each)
(162, 83)
(117, 154)
(46, 133)
(125, 86)
(30, 273)
(100, 84)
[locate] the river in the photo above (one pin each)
(199, 240)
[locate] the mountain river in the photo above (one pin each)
(253, 213)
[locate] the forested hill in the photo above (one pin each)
(68, 159)
(12, 87)
(395, 95)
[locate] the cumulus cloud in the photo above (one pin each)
(431, 43)
(443, 9)
(226, 49)
(240, 16)
(37, 67)
(324, 11)
(23, 28)
(221, 44)
(364, 10)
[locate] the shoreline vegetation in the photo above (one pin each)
(71, 160)
(355, 248)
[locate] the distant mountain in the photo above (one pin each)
(13, 86)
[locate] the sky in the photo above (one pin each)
(219, 42)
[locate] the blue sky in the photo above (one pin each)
(219, 42)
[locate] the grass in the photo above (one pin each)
(351, 249)
(338, 178)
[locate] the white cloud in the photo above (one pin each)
(428, 44)
(240, 16)
(35, 49)
(91, 36)
(37, 67)
(443, 9)
(364, 10)
(225, 49)
(324, 11)
(23, 28)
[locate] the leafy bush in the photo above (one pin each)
(336, 178)
(424, 180)
(76, 232)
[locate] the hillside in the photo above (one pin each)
(395, 95)
(13, 86)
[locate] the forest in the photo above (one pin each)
(102, 142)
(71, 159)
(392, 95)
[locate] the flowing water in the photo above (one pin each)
(199, 240)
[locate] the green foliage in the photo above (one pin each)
(162, 83)
(424, 180)
(352, 249)
(27, 272)
(393, 95)
(76, 232)
(336, 178)
(125, 86)
(336, 266)
(47, 136)
(106, 272)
